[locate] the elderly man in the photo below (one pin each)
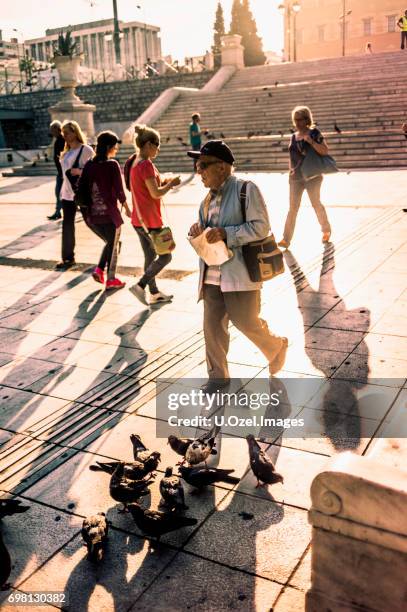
(227, 291)
(59, 144)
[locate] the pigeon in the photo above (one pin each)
(201, 448)
(181, 445)
(261, 464)
(250, 134)
(168, 139)
(140, 452)
(94, 533)
(172, 491)
(202, 477)
(184, 144)
(5, 565)
(127, 491)
(276, 83)
(179, 138)
(156, 523)
(133, 470)
(265, 88)
(337, 128)
(222, 135)
(270, 95)
(11, 506)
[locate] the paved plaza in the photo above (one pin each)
(78, 375)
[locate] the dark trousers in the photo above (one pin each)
(242, 308)
(68, 230)
(153, 264)
(403, 39)
(313, 188)
(110, 235)
(58, 185)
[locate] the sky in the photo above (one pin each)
(186, 25)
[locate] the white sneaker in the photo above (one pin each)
(140, 294)
(156, 298)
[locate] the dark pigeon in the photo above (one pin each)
(261, 464)
(156, 523)
(172, 492)
(140, 452)
(127, 491)
(202, 477)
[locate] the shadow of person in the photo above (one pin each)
(331, 334)
(30, 239)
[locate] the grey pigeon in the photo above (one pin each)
(261, 464)
(172, 491)
(94, 533)
(201, 448)
(11, 506)
(127, 491)
(181, 445)
(140, 452)
(156, 523)
(202, 477)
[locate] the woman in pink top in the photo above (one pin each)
(147, 190)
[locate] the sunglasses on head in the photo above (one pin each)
(201, 165)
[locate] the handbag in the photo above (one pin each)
(74, 179)
(263, 259)
(161, 238)
(314, 165)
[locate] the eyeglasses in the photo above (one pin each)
(204, 165)
(155, 143)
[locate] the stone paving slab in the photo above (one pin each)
(269, 545)
(209, 587)
(128, 568)
(21, 409)
(33, 537)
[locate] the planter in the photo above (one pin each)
(68, 68)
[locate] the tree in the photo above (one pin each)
(236, 26)
(219, 31)
(253, 48)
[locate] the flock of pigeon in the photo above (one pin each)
(130, 481)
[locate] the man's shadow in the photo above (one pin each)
(341, 415)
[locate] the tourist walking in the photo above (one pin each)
(147, 190)
(73, 158)
(227, 290)
(305, 137)
(101, 187)
(402, 23)
(195, 134)
(59, 145)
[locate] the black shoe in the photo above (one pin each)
(54, 217)
(65, 265)
(214, 385)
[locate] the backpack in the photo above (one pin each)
(127, 168)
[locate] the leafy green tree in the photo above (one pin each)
(219, 31)
(253, 48)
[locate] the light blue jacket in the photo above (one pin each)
(234, 274)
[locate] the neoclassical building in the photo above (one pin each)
(313, 29)
(138, 41)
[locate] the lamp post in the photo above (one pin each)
(142, 8)
(290, 11)
(116, 34)
(18, 53)
(345, 14)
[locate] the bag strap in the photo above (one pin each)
(77, 158)
(243, 197)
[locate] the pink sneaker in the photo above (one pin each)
(98, 275)
(115, 283)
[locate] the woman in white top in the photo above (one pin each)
(73, 158)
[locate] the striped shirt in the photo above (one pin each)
(212, 273)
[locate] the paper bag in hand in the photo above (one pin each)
(213, 254)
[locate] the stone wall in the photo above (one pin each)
(120, 101)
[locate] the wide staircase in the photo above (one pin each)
(358, 102)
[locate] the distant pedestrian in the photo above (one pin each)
(195, 134)
(147, 189)
(305, 137)
(402, 23)
(59, 144)
(73, 158)
(369, 48)
(101, 181)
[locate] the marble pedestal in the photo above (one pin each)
(76, 111)
(359, 541)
